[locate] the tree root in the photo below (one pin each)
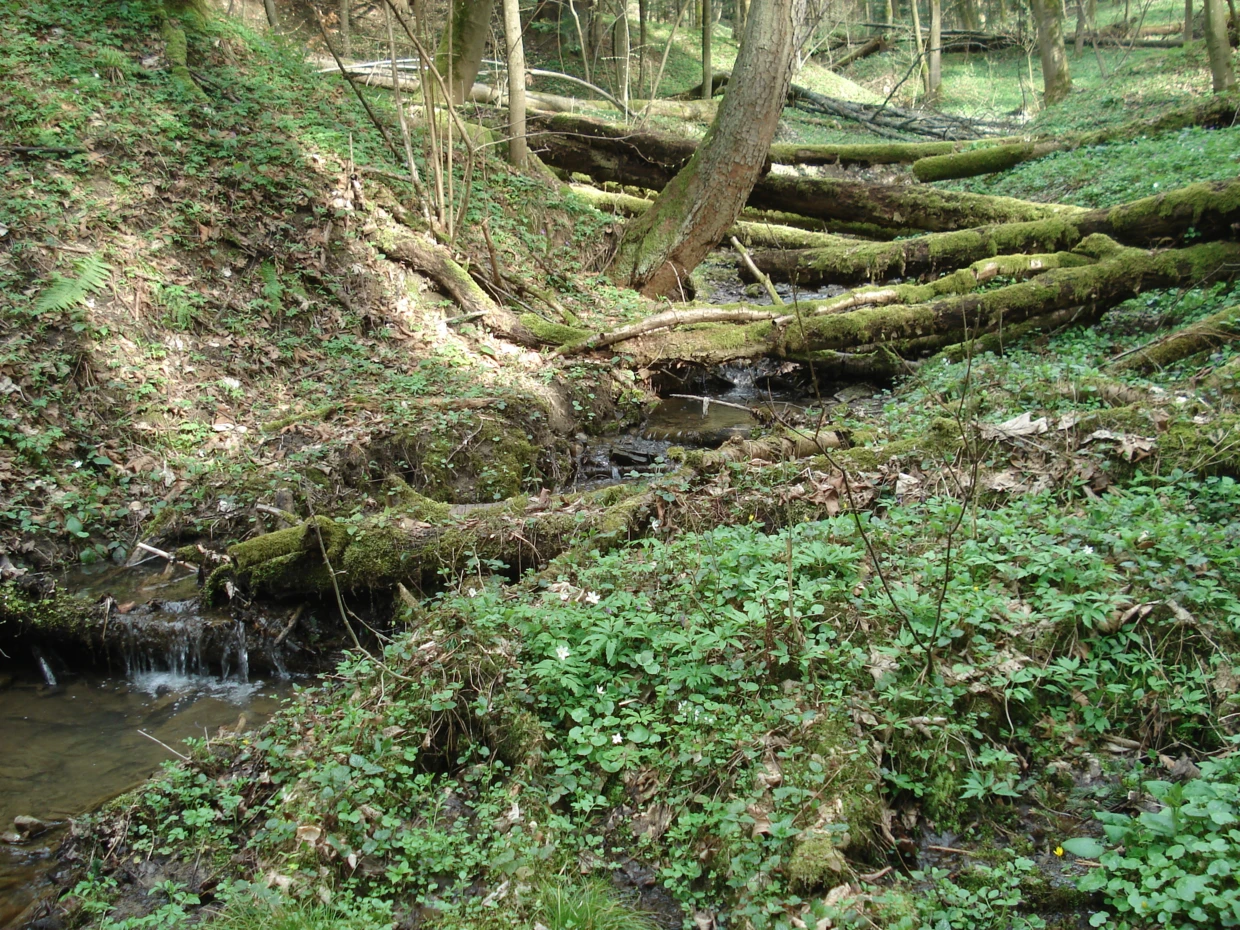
(432, 259)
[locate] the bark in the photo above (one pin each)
(1188, 21)
(812, 335)
(346, 40)
(461, 47)
(516, 83)
(1056, 80)
(698, 207)
(1211, 210)
(273, 18)
(1214, 331)
(922, 71)
(1222, 74)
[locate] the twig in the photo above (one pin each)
(356, 90)
(753, 270)
(291, 623)
(707, 401)
(952, 849)
(486, 234)
(179, 755)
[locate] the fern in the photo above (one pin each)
(65, 293)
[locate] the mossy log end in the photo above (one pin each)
(1210, 210)
(414, 541)
(821, 328)
(979, 161)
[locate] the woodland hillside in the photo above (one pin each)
(760, 463)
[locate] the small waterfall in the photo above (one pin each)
(48, 678)
(235, 651)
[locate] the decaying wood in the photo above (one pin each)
(428, 257)
(889, 120)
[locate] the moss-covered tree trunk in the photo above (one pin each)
(1210, 209)
(461, 46)
(1218, 46)
(911, 318)
(181, 19)
(1056, 80)
(697, 208)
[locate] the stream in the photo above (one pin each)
(70, 742)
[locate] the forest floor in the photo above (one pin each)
(963, 654)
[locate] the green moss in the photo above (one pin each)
(976, 161)
(59, 612)
(816, 862)
(555, 334)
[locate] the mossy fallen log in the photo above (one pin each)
(1220, 110)
(1214, 331)
(608, 153)
(894, 206)
(1208, 210)
(416, 539)
(818, 327)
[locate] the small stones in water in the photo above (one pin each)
(25, 829)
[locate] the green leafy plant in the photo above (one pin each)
(1176, 866)
(64, 293)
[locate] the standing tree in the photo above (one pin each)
(460, 49)
(1219, 47)
(661, 248)
(516, 83)
(935, 79)
(1056, 81)
(708, 76)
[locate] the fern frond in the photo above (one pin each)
(65, 293)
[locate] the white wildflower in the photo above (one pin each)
(473, 592)
(1088, 550)
(592, 598)
(617, 738)
(562, 653)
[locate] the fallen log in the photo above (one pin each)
(810, 332)
(1214, 331)
(872, 47)
(416, 539)
(895, 121)
(892, 206)
(1219, 110)
(1210, 210)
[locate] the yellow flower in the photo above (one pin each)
(1058, 850)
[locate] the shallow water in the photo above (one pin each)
(69, 742)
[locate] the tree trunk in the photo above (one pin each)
(922, 70)
(701, 203)
(273, 19)
(970, 15)
(346, 39)
(1188, 21)
(516, 83)
(1214, 331)
(1056, 81)
(708, 82)
(1219, 47)
(461, 47)
(935, 79)
(642, 16)
(1211, 210)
